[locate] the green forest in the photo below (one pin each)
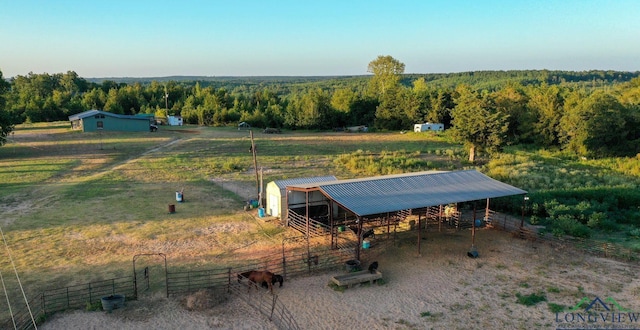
(590, 113)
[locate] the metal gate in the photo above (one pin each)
(143, 280)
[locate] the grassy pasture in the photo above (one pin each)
(78, 206)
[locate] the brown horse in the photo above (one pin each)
(257, 276)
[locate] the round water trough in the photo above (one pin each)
(352, 265)
(112, 302)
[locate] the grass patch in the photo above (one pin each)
(553, 289)
(530, 299)
(556, 308)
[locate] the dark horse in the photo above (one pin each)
(276, 278)
(257, 276)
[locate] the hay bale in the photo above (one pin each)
(203, 299)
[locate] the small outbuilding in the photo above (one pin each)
(277, 199)
(96, 120)
(428, 127)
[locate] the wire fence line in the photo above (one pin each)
(537, 234)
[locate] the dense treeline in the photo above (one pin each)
(594, 113)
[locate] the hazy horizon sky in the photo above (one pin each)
(140, 38)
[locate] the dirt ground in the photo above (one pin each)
(442, 288)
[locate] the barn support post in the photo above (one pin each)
(440, 218)
(426, 223)
(395, 227)
(388, 225)
(331, 224)
(285, 214)
(486, 211)
(359, 237)
(473, 253)
(473, 227)
(419, 233)
(306, 208)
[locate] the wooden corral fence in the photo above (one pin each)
(67, 298)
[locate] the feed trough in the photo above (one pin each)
(356, 277)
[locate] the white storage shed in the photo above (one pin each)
(276, 203)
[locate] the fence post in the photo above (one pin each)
(273, 305)
(90, 296)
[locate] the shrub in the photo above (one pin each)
(596, 219)
(568, 225)
(634, 232)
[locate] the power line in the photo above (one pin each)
(6, 294)
(15, 270)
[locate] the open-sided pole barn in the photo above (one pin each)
(383, 200)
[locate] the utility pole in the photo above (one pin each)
(166, 100)
(255, 162)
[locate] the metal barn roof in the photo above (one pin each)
(93, 112)
(302, 181)
(393, 193)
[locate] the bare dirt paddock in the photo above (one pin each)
(441, 289)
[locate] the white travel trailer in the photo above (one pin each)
(174, 120)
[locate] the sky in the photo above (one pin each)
(157, 38)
